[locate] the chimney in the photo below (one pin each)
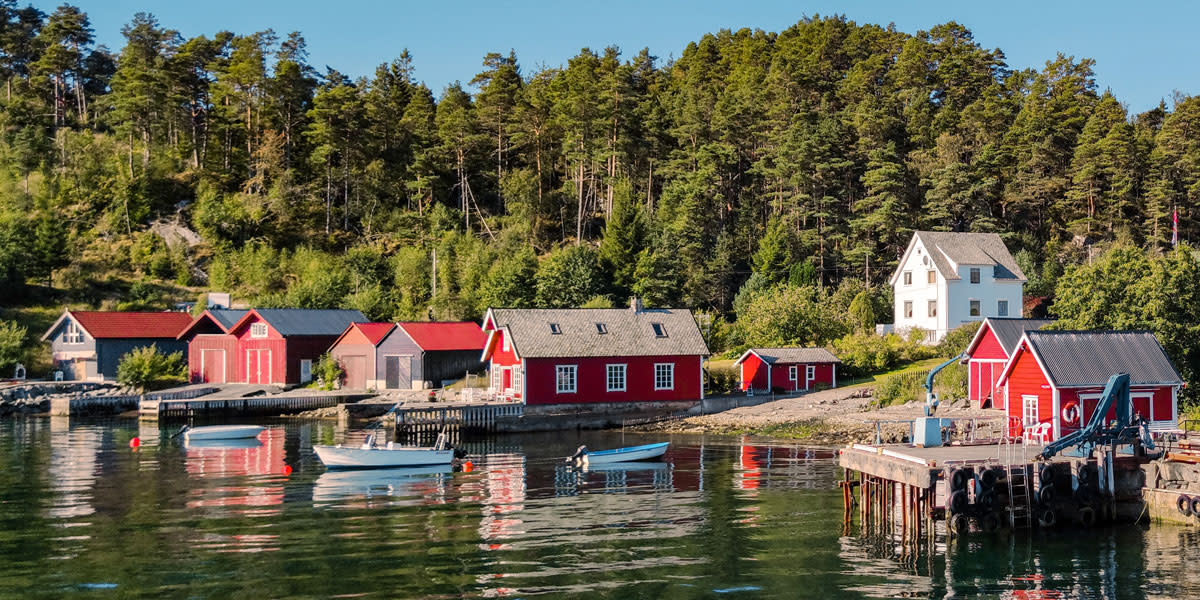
(635, 304)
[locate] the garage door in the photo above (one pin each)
(356, 371)
(212, 366)
(397, 372)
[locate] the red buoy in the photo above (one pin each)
(468, 467)
(135, 442)
(287, 469)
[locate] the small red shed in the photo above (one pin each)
(279, 345)
(212, 350)
(787, 369)
(572, 356)
(987, 354)
(1057, 377)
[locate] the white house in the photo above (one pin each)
(946, 279)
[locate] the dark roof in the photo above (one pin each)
(309, 321)
(982, 249)
(628, 332)
(433, 336)
(1090, 358)
(791, 355)
(1009, 331)
(227, 317)
(126, 325)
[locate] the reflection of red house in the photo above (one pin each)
(569, 356)
(212, 350)
(989, 351)
(1053, 375)
(787, 369)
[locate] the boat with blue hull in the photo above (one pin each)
(583, 456)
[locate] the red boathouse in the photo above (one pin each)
(987, 354)
(1056, 377)
(787, 369)
(212, 350)
(574, 356)
(278, 346)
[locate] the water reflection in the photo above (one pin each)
(714, 518)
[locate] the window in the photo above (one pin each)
(664, 376)
(73, 334)
(933, 308)
(793, 371)
(1002, 308)
(565, 379)
(908, 278)
(507, 345)
(659, 330)
(974, 311)
(908, 309)
(1029, 411)
(555, 329)
(616, 378)
(258, 330)
(516, 380)
(931, 276)
(305, 370)
(497, 374)
(810, 373)
(974, 274)
(601, 328)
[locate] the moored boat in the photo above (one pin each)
(369, 457)
(619, 455)
(221, 432)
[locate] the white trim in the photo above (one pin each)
(1056, 416)
(72, 324)
(558, 389)
(258, 330)
(1025, 398)
(624, 377)
(793, 373)
(701, 362)
(810, 375)
(833, 370)
(672, 386)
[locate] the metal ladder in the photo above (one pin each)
(1020, 502)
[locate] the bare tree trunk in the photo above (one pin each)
(328, 196)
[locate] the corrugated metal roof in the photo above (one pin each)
(793, 355)
(227, 317)
(132, 325)
(310, 321)
(433, 336)
(970, 249)
(1089, 358)
(1009, 331)
(627, 332)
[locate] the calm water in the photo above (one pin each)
(81, 515)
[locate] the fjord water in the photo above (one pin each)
(83, 515)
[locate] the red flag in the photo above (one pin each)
(1175, 227)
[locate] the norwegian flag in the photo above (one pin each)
(1175, 227)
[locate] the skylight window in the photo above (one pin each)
(555, 329)
(601, 328)
(660, 330)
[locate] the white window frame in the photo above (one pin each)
(793, 372)
(505, 343)
(258, 330)
(73, 334)
(496, 380)
(559, 371)
(907, 307)
(974, 275)
(810, 373)
(931, 308)
(670, 368)
(515, 375)
(1002, 312)
(1029, 418)
(976, 306)
(610, 370)
(931, 277)
(908, 278)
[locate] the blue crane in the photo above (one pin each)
(1125, 429)
(931, 399)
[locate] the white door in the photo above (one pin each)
(305, 370)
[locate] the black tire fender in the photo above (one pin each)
(1087, 516)
(958, 502)
(1184, 504)
(1047, 518)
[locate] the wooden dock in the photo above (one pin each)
(418, 419)
(85, 405)
(153, 409)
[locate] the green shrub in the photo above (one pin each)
(12, 346)
(866, 353)
(146, 368)
(950, 385)
(328, 371)
(957, 340)
(723, 381)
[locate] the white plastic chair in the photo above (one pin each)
(1038, 434)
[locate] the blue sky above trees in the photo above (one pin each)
(1143, 50)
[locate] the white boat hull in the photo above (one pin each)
(647, 453)
(222, 432)
(342, 457)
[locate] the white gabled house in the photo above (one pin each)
(946, 279)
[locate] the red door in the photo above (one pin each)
(258, 366)
(212, 366)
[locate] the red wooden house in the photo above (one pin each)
(1056, 377)
(211, 349)
(787, 369)
(279, 345)
(987, 354)
(571, 356)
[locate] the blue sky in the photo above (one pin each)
(1144, 50)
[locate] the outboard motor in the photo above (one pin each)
(459, 453)
(579, 456)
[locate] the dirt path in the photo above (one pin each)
(835, 416)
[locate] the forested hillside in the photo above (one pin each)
(803, 157)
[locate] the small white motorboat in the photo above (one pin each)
(221, 432)
(618, 455)
(370, 456)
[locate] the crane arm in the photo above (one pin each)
(1116, 391)
(931, 399)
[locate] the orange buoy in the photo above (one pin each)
(468, 467)
(287, 469)
(135, 442)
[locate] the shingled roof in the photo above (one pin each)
(948, 249)
(791, 355)
(1090, 358)
(547, 333)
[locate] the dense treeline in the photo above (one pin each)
(801, 158)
